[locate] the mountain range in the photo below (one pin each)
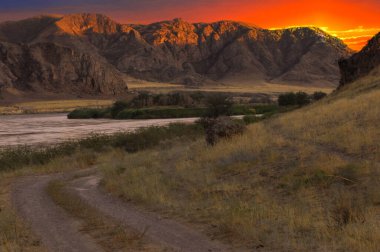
(92, 54)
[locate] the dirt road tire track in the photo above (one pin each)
(165, 231)
(59, 232)
(56, 229)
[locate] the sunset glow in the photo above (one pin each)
(352, 21)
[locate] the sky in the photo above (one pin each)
(354, 21)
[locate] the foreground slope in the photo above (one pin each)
(181, 52)
(306, 180)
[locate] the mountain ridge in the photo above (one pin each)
(361, 63)
(195, 54)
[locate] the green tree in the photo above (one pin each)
(218, 105)
(287, 99)
(302, 98)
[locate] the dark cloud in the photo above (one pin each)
(97, 4)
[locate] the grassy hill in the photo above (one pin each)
(305, 180)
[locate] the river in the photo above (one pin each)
(41, 129)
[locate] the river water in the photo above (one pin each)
(54, 128)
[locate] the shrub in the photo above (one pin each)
(118, 107)
(302, 98)
(291, 99)
(197, 97)
(287, 99)
(218, 105)
(142, 100)
(249, 119)
(318, 96)
(221, 127)
(266, 109)
(88, 113)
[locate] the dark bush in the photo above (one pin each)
(265, 109)
(302, 98)
(318, 96)
(292, 99)
(118, 107)
(221, 127)
(197, 97)
(249, 119)
(288, 99)
(88, 113)
(218, 105)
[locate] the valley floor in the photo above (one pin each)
(235, 87)
(51, 106)
(307, 180)
(16, 104)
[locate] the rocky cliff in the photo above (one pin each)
(170, 51)
(52, 68)
(361, 63)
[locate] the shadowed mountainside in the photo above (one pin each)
(169, 51)
(362, 63)
(53, 68)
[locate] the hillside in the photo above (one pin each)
(175, 51)
(363, 63)
(307, 180)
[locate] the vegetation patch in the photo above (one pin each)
(299, 98)
(18, 157)
(173, 105)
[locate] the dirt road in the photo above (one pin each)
(165, 231)
(60, 232)
(57, 230)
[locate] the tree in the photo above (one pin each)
(118, 107)
(218, 105)
(302, 98)
(292, 99)
(287, 99)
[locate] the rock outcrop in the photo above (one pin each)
(361, 63)
(170, 51)
(52, 68)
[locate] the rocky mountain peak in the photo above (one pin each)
(88, 22)
(169, 51)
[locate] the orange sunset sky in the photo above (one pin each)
(351, 20)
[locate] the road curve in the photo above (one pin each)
(56, 229)
(167, 232)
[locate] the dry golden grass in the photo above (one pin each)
(268, 88)
(308, 180)
(53, 106)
